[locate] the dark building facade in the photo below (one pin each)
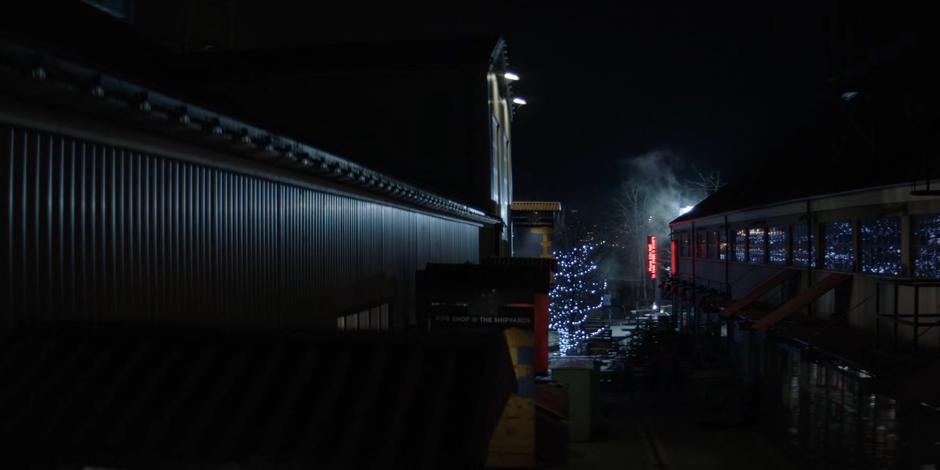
(125, 203)
(435, 114)
(175, 267)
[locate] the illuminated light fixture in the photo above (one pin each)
(519, 101)
(510, 76)
(685, 210)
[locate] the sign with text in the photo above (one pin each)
(506, 316)
(651, 256)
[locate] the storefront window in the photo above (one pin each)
(881, 246)
(700, 244)
(839, 251)
(684, 244)
(804, 246)
(777, 244)
(756, 245)
(740, 246)
(927, 246)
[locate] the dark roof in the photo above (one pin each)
(120, 396)
(345, 59)
(534, 206)
(35, 72)
(416, 110)
(784, 179)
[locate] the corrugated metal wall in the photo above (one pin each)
(98, 233)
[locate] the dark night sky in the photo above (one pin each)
(717, 85)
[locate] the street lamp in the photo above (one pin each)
(519, 101)
(510, 76)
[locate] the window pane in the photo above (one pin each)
(756, 247)
(881, 246)
(804, 246)
(684, 244)
(777, 244)
(722, 245)
(700, 244)
(364, 320)
(740, 246)
(839, 253)
(352, 322)
(927, 246)
(374, 317)
(340, 323)
(711, 250)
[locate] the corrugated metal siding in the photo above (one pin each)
(99, 233)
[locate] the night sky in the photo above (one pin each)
(700, 83)
(718, 86)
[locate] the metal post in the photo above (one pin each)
(877, 314)
(727, 257)
(896, 317)
(916, 315)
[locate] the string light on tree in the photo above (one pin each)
(578, 291)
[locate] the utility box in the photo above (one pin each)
(582, 382)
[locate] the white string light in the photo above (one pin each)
(577, 292)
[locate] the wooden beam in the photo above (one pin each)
(795, 304)
(759, 292)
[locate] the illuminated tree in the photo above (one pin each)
(578, 291)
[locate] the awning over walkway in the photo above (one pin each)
(795, 304)
(122, 397)
(760, 291)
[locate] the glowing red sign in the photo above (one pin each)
(651, 256)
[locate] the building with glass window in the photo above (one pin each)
(824, 301)
(878, 237)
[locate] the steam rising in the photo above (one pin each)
(656, 191)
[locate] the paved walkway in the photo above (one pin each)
(652, 430)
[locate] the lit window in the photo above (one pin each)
(740, 246)
(756, 248)
(881, 246)
(777, 244)
(700, 244)
(927, 246)
(839, 252)
(804, 246)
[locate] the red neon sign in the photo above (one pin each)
(651, 256)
